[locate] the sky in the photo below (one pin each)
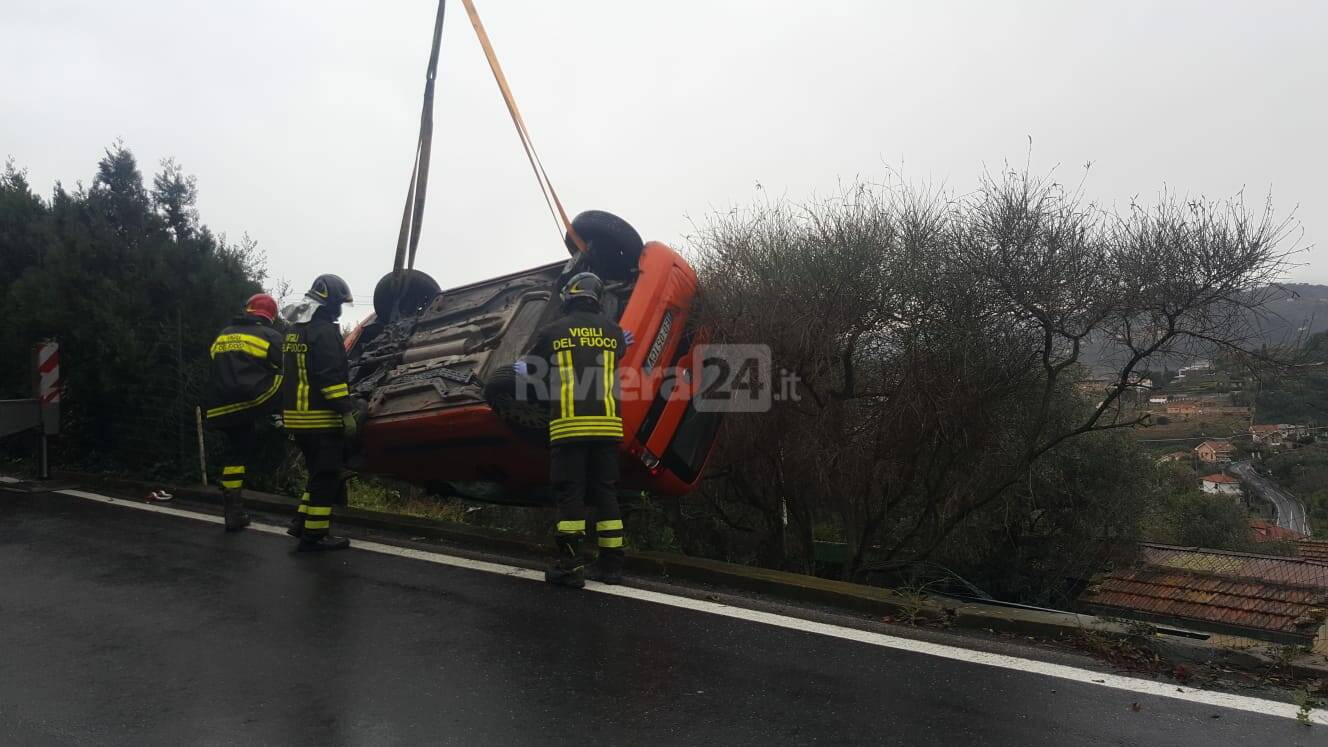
(300, 119)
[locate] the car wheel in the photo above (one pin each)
(403, 294)
(615, 247)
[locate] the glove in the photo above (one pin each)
(350, 427)
(628, 337)
(521, 368)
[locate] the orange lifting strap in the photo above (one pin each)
(413, 215)
(550, 196)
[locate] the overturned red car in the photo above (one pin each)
(445, 410)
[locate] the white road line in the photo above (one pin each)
(10, 480)
(955, 653)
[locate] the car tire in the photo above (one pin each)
(403, 294)
(615, 247)
(526, 414)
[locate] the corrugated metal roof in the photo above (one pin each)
(1255, 593)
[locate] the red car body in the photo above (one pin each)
(445, 434)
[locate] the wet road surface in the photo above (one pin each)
(119, 626)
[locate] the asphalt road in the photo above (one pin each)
(121, 626)
(1290, 512)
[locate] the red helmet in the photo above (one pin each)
(261, 304)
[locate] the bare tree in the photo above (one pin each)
(939, 342)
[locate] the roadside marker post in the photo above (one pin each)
(48, 400)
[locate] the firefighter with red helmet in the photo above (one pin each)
(243, 386)
(317, 409)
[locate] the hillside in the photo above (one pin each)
(1297, 311)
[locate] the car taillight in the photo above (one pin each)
(649, 460)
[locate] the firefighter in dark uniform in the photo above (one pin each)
(242, 395)
(581, 350)
(316, 406)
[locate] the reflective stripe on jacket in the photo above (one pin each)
(582, 350)
(315, 393)
(245, 370)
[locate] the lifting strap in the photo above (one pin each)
(408, 240)
(412, 216)
(550, 196)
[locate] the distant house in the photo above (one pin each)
(1175, 456)
(1184, 409)
(1266, 531)
(1266, 435)
(1264, 597)
(1293, 432)
(1220, 484)
(1277, 435)
(1215, 452)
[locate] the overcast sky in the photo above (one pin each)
(300, 118)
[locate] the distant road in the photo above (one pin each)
(1290, 512)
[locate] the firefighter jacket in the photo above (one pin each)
(245, 372)
(580, 351)
(315, 393)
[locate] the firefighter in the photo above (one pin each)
(246, 374)
(317, 407)
(581, 349)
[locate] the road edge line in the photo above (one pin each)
(881, 640)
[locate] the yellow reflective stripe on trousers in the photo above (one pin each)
(233, 470)
(610, 524)
(304, 503)
(319, 510)
(610, 541)
(302, 391)
(265, 396)
(610, 407)
(233, 484)
(322, 524)
(572, 526)
(239, 343)
(336, 391)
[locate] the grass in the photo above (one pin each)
(378, 495)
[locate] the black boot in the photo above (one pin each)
(322, 543)
(296, 527)
(570, 568)
(232, 510)
(609, 568)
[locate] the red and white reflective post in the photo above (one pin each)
(48, 399)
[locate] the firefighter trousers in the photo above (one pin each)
(324, 458)
(244, 442)
(581, 473)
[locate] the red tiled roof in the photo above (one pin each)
(1221, 479)
(1216, 446)
(1257, 594)
(1313, 550)
(1265, 428)
(1266, 531)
